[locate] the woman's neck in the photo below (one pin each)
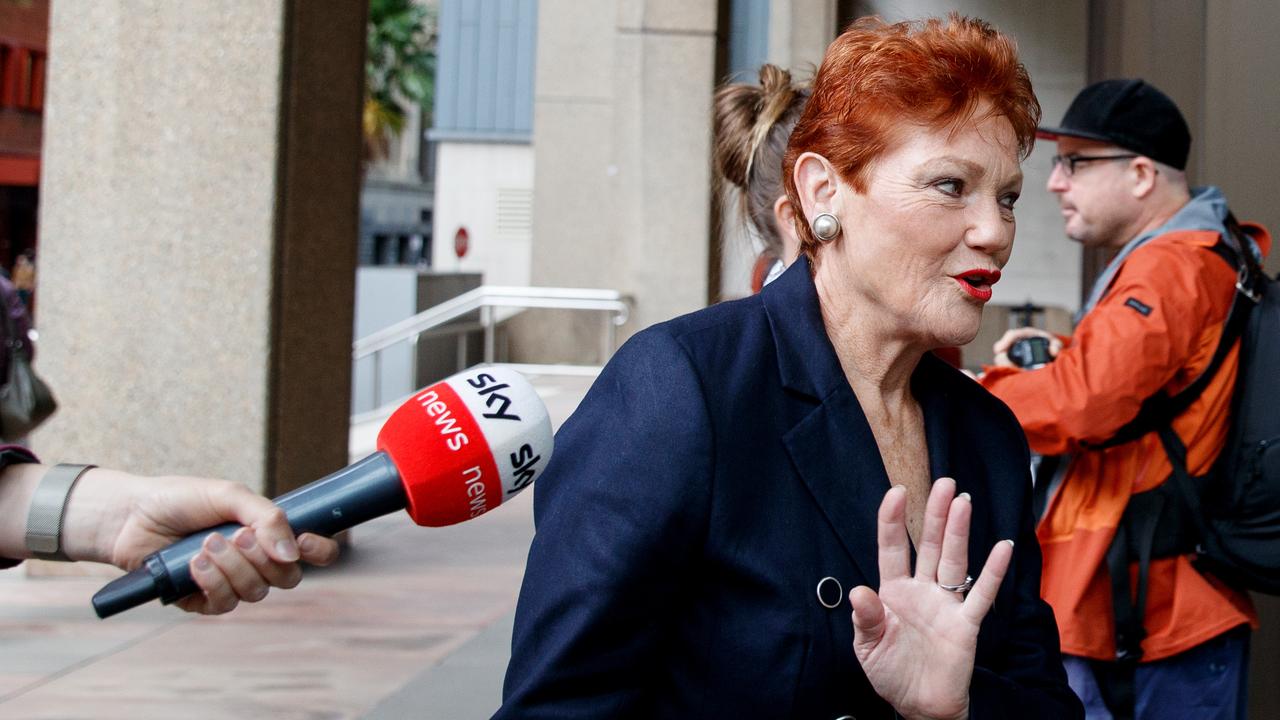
(877, 359)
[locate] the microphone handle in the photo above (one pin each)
(362, 491)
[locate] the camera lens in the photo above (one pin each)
(1030, 353)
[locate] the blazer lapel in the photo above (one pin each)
(836, 455)
(953, 451)
(831, 447)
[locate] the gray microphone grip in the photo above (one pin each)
(365, 490)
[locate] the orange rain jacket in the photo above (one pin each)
(1156, 328)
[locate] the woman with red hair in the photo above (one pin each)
(737, 475)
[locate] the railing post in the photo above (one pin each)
(486, 319)
(610, 336)
(413, 362)
(377, 379)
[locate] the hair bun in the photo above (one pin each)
(776, 95)
(774, 81)
(744, 115)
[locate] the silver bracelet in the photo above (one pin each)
(48, 507)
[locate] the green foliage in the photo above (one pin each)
(400, 69)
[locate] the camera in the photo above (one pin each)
(1030, 353)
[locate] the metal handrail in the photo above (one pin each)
(484, 299)
(494, 296)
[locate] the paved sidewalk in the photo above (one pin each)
(412, 622)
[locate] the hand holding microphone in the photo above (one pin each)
(137, 515)
(454, 451)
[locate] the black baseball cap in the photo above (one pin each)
(1129, 113)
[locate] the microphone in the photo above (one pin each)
(454, 451)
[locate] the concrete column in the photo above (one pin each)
(198, 229)
(622, 175)
(799, 32)
(1241, 104)
(574, 234)
(664, 74)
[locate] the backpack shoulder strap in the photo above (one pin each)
(1140, 538)
(1160, 409)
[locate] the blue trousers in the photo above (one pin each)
(1207, 682)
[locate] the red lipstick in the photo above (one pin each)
(978, 282)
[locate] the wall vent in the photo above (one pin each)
(515, 213)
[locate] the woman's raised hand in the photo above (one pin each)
(916, 639)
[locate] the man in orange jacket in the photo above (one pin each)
(1151, 324)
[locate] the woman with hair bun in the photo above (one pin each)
(752, 126)
(739, 479)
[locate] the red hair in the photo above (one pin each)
(876, 77)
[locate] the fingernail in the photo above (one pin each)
(245, 539)
(203, 562)
(1010, 542)
(216, 543)
(965, 497)
(287, 550)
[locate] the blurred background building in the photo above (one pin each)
(23, 60)
(620, 140)
(215, 229)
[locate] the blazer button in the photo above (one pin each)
(830, 593)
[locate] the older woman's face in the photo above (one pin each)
(928, 238)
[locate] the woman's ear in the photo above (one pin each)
(816, 182)
(784, 217)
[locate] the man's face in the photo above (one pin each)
(1097, 204)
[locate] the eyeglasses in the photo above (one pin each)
(1069, 162)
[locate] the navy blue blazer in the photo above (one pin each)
(716, 472)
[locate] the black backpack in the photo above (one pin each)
(1240, 537)
(1230, 517)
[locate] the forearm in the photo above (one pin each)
(1061, 407)
(619, 520)
(17, 484)
(93, 516)
(96, 512)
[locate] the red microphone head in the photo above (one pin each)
(468, 443)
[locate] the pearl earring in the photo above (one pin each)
(825, 226)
